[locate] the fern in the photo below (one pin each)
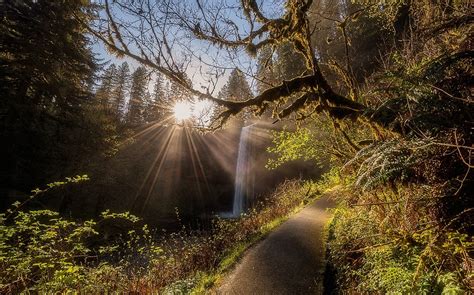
(388, 161)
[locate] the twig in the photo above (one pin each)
(468, 164)
(397, 202)
(371, 247)
(450, 95)
(465, 176)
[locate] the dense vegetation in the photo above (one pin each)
(404, 222)
(44, 252)
(381, 93)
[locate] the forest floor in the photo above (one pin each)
(291, 260)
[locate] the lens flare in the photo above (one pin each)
(197, 111)
(182, 111)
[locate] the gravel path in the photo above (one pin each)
(289, 261)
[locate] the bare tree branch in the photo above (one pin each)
(164, 26)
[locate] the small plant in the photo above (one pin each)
(389, 161)
(395, 245)
(40, 251)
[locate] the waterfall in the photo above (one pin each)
(241, 172)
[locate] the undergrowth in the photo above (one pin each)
(41, 251)
(396, 246)
(404, 222)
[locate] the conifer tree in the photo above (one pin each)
(237, 89)
(119, 94)
(289, 63)
(159, 87)
(138, 92)
(107, 84)
(266, 74)
(46, 68)
(148, 106)
(156, 101)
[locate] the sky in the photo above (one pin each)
(238, 59)
(105, 57)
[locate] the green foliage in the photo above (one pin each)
(389, 161)
(393, 248)
(291, 146)
(41, 251)
(46, 247)
(37, 192)
(329, 181)
(309, 143)
(426, 94)
(319, 140)
(404, 223)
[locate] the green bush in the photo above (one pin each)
(42, 252)
(380, 250)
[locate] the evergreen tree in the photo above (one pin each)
(274, 67)
(103, 93)
(148, 107)
(284, 64)
(237, 88)
(138, 93)
(159, 88)
(289, 64)
(119, 94)
(46, 68)
(156, 101)
(266, 74)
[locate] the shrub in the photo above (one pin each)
(42, 252)
(398, 246)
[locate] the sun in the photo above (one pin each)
(199, 112)
(182, 111)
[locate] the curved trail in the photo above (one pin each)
(289, 261)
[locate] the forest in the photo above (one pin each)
(236, 147)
